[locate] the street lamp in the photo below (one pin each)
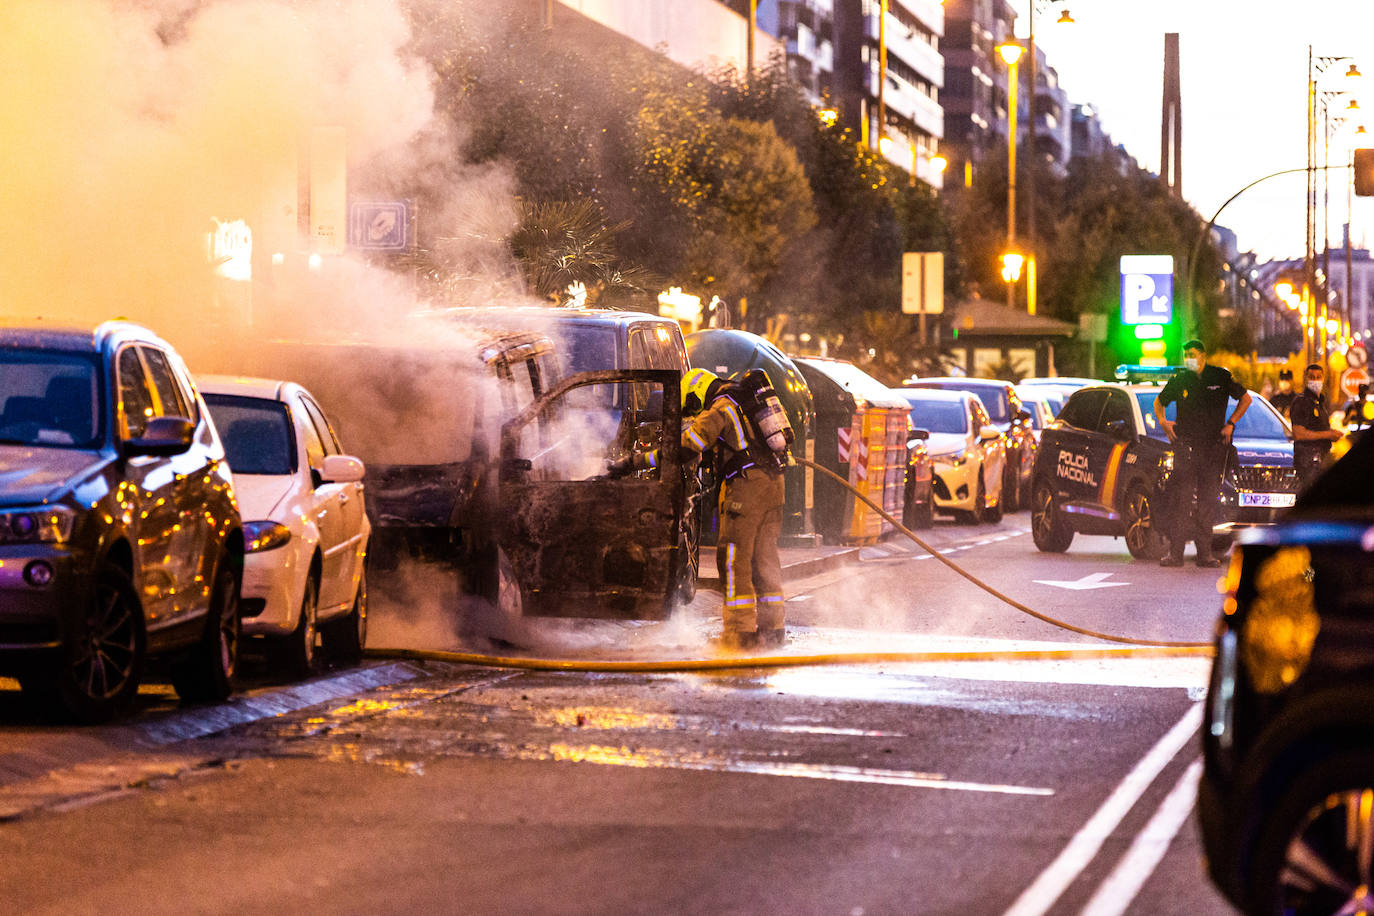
(1010, 54)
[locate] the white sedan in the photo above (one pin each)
(968, 452)
(305, 531)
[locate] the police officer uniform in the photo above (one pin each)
(1283, 400)
(1309, 412)
(751, 501)
(1200, 455)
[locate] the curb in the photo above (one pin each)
(791, 572)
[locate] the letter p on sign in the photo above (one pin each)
(1147, 289)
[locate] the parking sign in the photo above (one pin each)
(379, 225)
(1147, 288)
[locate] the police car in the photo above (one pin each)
(1103, 463)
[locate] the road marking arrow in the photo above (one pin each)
(1095, 580)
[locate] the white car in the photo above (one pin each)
(305, 531)
(1042, 402)
(968, 452)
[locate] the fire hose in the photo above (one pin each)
(1132, 648)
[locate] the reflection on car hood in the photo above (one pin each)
(946, 443)
(32, 474)
(1270, 452)
(259, 495)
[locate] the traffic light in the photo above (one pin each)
(1364, 172)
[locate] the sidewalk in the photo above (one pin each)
(797, 562)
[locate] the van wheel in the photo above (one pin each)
(1011, 481)
(102, 656)
(1049, 530)
(1311, 855)
(1142, 532)
(206, 673)
(345, 638)
(978, 513)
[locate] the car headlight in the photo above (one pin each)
(1282, 622)
(46, 525)
(261, 536)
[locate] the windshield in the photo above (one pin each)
(994, 398)
(256, 432)
(1259, 422)
(939, 416)
(49, 399)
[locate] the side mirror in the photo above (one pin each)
(341, 469)
(1121, 429)
(989, 433)
(162, 436)
(919, 434)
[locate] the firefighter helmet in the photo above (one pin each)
(696, 386)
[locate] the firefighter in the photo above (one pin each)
(751, 501)
(1202, 439)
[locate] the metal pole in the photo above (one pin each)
(1030, 136)
(1326, 237)
(548, 15)
(749, 42)
(1348, 303)
(882, 72)
(1011, 175)
(1309, 269)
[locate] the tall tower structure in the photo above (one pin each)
(1171, 121)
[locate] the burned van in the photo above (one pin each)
(427, 418)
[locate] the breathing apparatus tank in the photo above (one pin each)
(768, 418)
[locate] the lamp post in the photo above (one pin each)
(1011, 53)
(1064, 19)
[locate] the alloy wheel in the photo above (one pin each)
(1327, 865)
(106, 651)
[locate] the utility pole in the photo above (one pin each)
(749, 42)
(1171, 120)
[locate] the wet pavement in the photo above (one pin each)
(897, 788)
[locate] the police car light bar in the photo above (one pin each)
(1141, 374)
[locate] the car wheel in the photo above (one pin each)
(206, 673)
(993, 514)
(1011, 478)
(1143, 539)
(296, 652)
(344, 639)
(978, 513)
(102, 655)
(1314, 851)
(1049, 530)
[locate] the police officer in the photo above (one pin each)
(751, 504)
(1202, 437)
(1284, 399)
(1312, 432)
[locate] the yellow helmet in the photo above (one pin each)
(696, 385)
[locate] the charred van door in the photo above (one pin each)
(580, 544)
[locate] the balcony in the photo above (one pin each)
(911, 103)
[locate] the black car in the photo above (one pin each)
(1103, 464)
(120, 539)
(1286, 802)
(1012, 419)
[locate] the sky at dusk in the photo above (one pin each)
(1244, 81)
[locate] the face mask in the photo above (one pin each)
(1190, 364)
(1315, 387)
(1285, 386)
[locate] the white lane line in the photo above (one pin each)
(1117, 892)
(602, 755)
(1069, 864)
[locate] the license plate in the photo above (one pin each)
(1267, 500)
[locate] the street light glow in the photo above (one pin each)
(1284, 289)
(1011, 266)
(939, 163)
(1011, 53)
(1332, 326)
(1065, 18)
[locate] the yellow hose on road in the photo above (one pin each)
(1133, 648)
(728, 663)
(1109, 637)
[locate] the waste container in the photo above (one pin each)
(861, 434)
(732, 353)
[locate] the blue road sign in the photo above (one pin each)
(1147, 288)
(379, 225)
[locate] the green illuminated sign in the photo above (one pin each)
(1149, 332)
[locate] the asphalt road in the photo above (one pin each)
(958, 787)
